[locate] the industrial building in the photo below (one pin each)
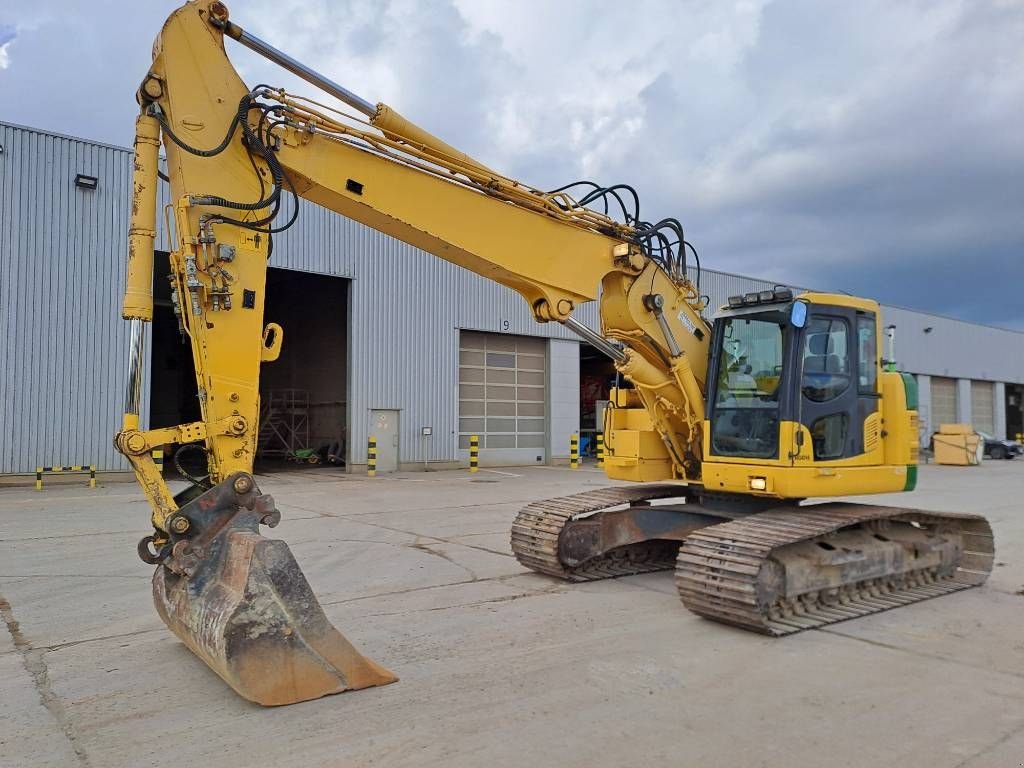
(380, 339)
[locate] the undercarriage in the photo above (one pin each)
(775, 569)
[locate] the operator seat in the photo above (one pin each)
(821, 357)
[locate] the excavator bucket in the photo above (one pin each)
(241, 603)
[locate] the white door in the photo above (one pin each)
(384, 427)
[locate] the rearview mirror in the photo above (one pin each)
(798, 314)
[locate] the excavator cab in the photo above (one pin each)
(796, 393)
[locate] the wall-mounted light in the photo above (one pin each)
(86, 182)
(928, 329)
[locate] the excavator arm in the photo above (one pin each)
(238, 160)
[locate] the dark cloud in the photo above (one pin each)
(895, 174)
(869, 147)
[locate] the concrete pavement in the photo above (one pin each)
(498, 666)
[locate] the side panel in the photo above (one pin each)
(805, 482)
(634, 451)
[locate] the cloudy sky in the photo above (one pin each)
(875, 147)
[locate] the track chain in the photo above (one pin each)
(718, 567)
(537, 527)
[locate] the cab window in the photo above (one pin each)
(867, 355)
(826, 363)
(746, 399)
(751, 363)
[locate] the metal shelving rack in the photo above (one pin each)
(284, 422)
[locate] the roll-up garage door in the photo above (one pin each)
(943, 402)
(982, 411)
(502, 394)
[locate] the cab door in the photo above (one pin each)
(838, 380)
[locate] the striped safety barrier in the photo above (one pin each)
(474, 453)
(371, 457)
(600, 449)
(574, 452)
(79, 468)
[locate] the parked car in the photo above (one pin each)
(1001, 449)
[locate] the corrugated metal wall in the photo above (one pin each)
(61, 277)
(942, 346)
(62, 263)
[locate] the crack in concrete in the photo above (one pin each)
(424, 547)
(998, 742)
(75, 576)
(44, 501)
(478, 547)
(34, 661)
(410, 590)
(418, 536)
(322, 540)
(471, 604)
(447, 507)
(913, 652)
(355, 517)
(393, 593)
(67, 536)
(483, 533)
(73, 643)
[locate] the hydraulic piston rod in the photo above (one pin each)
(268, 51)
(381, 116)
(595, 339)
(133, 389)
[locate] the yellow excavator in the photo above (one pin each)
(724, 426)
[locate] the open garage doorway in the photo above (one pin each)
(1015, 411)
(303, 394)
(597, 377)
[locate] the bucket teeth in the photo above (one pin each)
(241, 603)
